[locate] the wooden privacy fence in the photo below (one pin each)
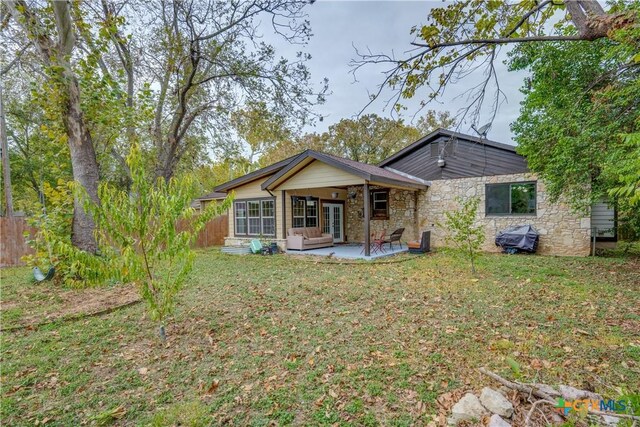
(212, 234)
(13, 244)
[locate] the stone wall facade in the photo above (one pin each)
(402, 213)
(562, 231)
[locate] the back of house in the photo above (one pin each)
(412, 189)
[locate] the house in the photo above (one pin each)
(201, 202)
(411, 189)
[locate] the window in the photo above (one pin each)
(517, 198)
(241, 217)
(304, 212)
(379, 204)
(268, 217)
(255, 217)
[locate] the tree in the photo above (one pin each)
(433, 120)
(465, 36)
(56, 43)
(206, 60)
(259, 128)
(581, 102)
(141, 225)
(368, 139)
(466, 236)
(6, 167)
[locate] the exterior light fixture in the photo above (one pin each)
(441, 161)
(334, 195)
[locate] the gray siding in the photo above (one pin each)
(463, 159)
(603, 219)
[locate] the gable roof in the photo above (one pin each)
(252, 176)
(444, 133)
(363, 170)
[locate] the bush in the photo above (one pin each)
(52, 242)
(462, 232)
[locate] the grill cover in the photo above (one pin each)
(521, 237)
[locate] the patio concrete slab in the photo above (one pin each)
(350, 252)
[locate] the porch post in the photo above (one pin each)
(284, 215)
(367, 216)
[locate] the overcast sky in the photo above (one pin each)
(382, 27)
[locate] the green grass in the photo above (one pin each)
(292, 341)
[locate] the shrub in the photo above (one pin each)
(140, 225)
(462, 232)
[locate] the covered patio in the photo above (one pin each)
(321, 190)
(351, 251)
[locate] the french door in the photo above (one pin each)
(333, 224)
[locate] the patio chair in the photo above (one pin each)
(423, 246)
(375, 244)
(394, 237)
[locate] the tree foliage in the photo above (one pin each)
(579, 124)
(141, 227)
(465, 36)
(368, 139)
(463, 232)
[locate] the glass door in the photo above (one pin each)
(332, 221)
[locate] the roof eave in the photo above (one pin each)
(267, 185)
(398, 183)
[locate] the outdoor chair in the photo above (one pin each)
(394, 237)
(424, 245)
(375, 244)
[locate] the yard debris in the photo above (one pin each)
(518, 404)
(526, 405)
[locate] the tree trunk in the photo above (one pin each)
(84, 165)
(6, 167)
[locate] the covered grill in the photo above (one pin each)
(521, 238)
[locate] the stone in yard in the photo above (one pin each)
(468, 408)
(496, 402)
(610, 421)
(497, 421)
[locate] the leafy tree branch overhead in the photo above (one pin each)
(464, 37)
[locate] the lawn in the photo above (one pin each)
(284, 340)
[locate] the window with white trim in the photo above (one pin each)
(379, 204)
(255, 217)
(304, 212)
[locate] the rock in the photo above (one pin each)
(468, 408)
(610, 421)
(496, 402)
(497, 421)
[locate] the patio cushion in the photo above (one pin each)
(315, 232)
(321, 239)
(311, 232)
